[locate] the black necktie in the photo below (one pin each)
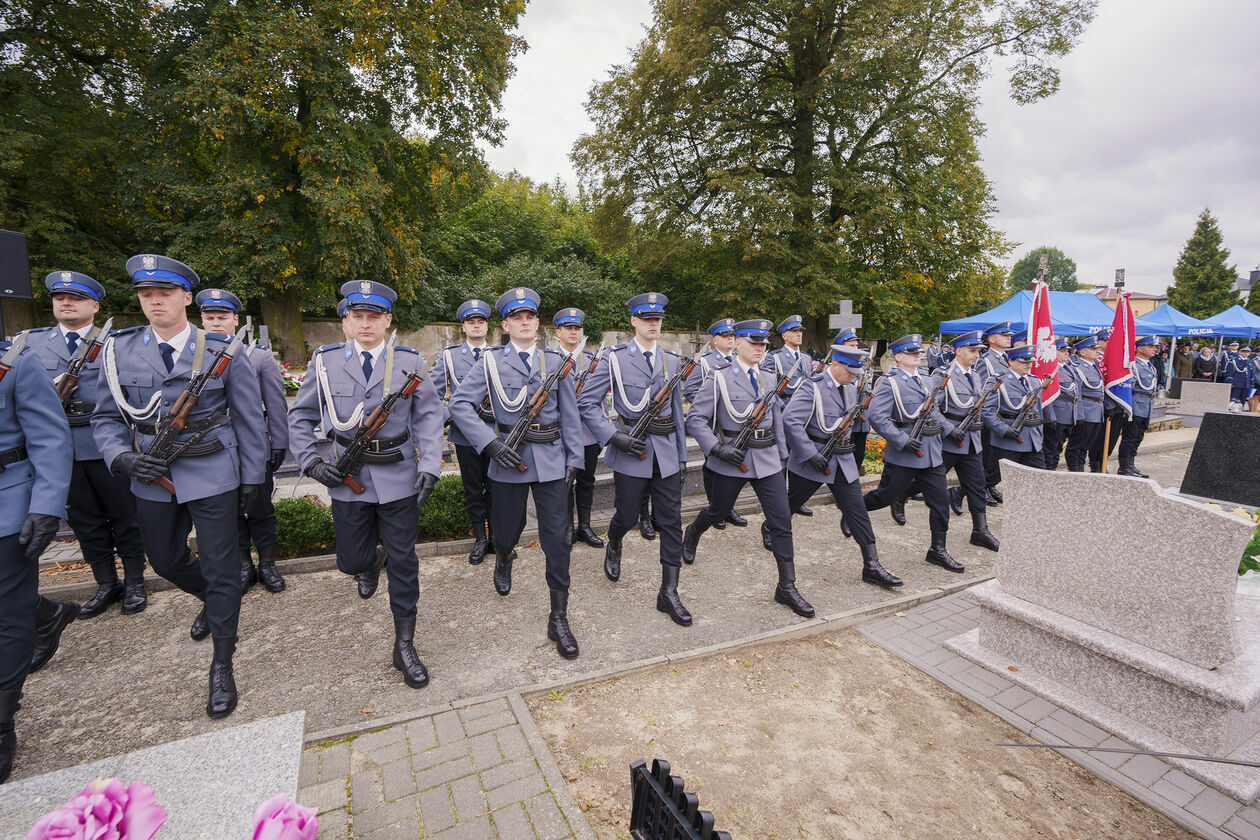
(971, 382)
(649, 356)
(367, 366)
(525, 360)
(728, 359)
(72, 341)
(752, 378)
(476, 354)
(168, 355)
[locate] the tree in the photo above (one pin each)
(1060, 271)
(1253, 299)
(1203, 284)
(809, 155)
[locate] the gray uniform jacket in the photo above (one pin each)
(780, 362)
(709, 412)
(50, 346)
(31, 416)
(1000, 413)
(635, 384)
(588, 437)
(1145, 384)
(545, 461)
(1089, 381)
(1066, 406)
(960, 394)
(418, 418)
(992, 364)
(804, 427)
(271, 384)
(709, 360)
(141, 374)
(893, 410)
(448, 373)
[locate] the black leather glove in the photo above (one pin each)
(145, 469)
(277, 458)
(247, 495)
(325, 473)
(818, 462)
(1010, 434)
(425, 482)
(956, 436)
(570, 476)
(728, 453)
(503, 455)
(627, 444)
(37, 532)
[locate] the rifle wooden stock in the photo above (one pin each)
(925, 414)
(166, 484)
(349, 460)
(536, 403)
(577, 387)
(659, 399)
(843, 430)
(759, 414)
(969, 422)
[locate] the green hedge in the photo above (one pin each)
(444, 514)
(304, 525)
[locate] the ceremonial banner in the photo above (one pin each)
(1041, 337)
(1117, 361)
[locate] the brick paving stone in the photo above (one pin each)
(953, 667)
(470, 801)
(512, 742)
(985, 675)
(448, 728)
(382, 755)
(387, 814)
(421, 735)
(1251, 813)
(937, 657)
(962, 625)
(436, 811)
(517, 791)
(476, 829)
(1145, 769)
(549, 823)
(1171, 792)
(1051, 731)
(408, 829)
(1013, 697)
(485, 751)
(365, 790)
(510, 772)
(1192, 786)
(489, 723)
(397, 780)
(1112, 760)
(334, 762)
(1091, 732)
(438, 755)
(1212, 806)
(510, 823)
(929, 628)
(308, 774)
(975, 680)
(374, 740)
(333, 825)
(1242, 829)
(1035, 709)
(325, 796)
(443, 773)
(942, 636)
(483, 709)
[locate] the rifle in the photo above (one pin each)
(659, 400)
(165, 445)
(759, 410)
(972, 418)
(9, 359)
(1033, 398)
(536, 402)
(581, 380)
(925, 414)
(842, 431)
(352, 456)
(86, 354)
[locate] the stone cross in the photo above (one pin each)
(845, 319)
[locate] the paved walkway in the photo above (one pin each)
(917, 634)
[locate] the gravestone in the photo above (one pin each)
(1199, 397)
(1225, 462)
(1135, 624)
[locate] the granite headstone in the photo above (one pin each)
(1225, 463)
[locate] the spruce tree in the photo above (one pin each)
(1253, 299)
(1203, 283)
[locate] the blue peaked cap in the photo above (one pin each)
(217, 299)
(74, 283)
(154, 270)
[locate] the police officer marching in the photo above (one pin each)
(220, 313)
(453, 365)
(1089, 411)
(1019, 394)
(961, 451)
(569, 334)
(217, 465)
(345, 383)
(1060, 415)
(812, 418)
(636, 372)
(724, 405)
(36, 454)
(1145, 384)
(783, 362)
(722, 353)
(861, 426)
(100, 507)
(993, 366)
(551, 452)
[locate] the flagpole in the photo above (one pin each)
(1106, 443)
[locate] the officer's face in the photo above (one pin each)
(72, 311)
(569, 335)
(1062, 355)
(841, 373)
(646, 329)
(1000, 341)
(750, 353)
(475, 328)
(368, 327)
(1021, 367)
(1089, 354)
(219, 321)
(793, 338)
(1147, 351)
(967, 356)
(165, 307)
(908, 361)
(521, 326)
(724, 343)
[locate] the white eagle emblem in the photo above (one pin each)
(149, 262)
(365, 287)
(651, 297)
(765, 325)
(520, 294)
(216, 294)
(67, 276)
(573, 312)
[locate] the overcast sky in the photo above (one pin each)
(1158, 117)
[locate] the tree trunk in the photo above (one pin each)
(282, 313)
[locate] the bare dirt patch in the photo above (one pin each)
(826, 737)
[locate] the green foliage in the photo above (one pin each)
(1060, 271)
(1251, 555)
(443, 514)
(1203, 283)
(1253, 299)
(303, 524)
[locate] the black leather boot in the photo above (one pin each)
(105, 594)
(222, 685)
(898, 510)
(667, 600)
(8, 736)
(804, 511)
(785, 593)
(249, 575)
(201, 625)
(405, 657)
(873, 572)
(569, 539)
(584, 533)
(503, 571)
(735, 519)
(766, 542)
(267, 571)
(135, 599)
(980, 534)
(956, 500)
(939, 556)
(558, 625)
(51, 618)
(646, 529)
(691, 541)
(369, 580)
(481, 543)
(995, 494)
(612, 558)
(844, 526)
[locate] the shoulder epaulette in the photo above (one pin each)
(398, 347)
(215, 336)
(34, 330)
(450, 347)
(336, 346)
(127, 330)
(621, 346)
(673, 353)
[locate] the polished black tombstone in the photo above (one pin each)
(1225, 463)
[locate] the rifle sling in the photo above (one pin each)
(201, 424)
(537, 432)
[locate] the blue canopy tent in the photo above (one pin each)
(1237, 322)
(1072, 313)
(1167, 321)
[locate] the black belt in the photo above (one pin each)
(537, 432)
(1032, 421)
(12, 456)
(380, 450)
(759, 439)
(930, 429)
(484, 413)
(1144, 393)
(79, 413)
(662, 426)
(956, 418)
(841, 448)
(1093, 399)
(203, 424)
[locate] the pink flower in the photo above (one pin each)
(103, 811)
(280, 818)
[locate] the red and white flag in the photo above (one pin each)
(1041, 337)
(1117, 360)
